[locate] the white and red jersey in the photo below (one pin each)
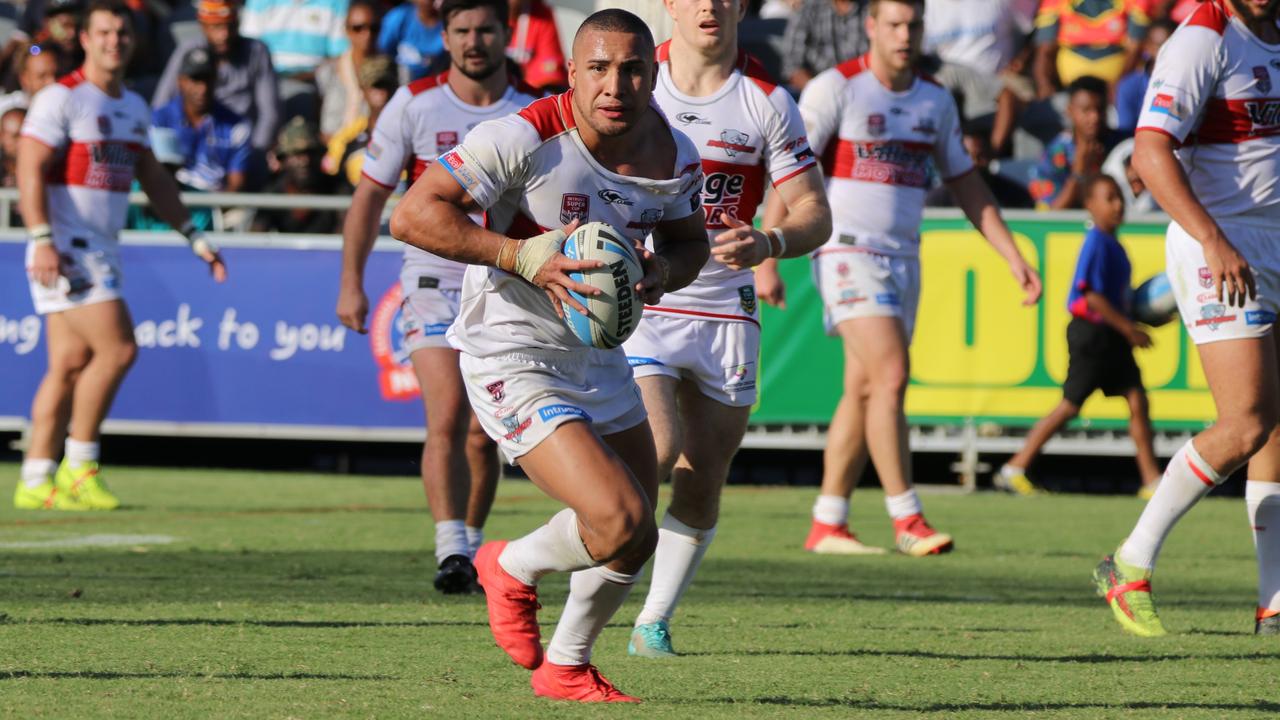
(747, 132)
(423, 120)
(881, 151)
(1216, 90)
(98, 139)
(531, 172)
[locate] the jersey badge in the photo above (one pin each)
(925, 127)
(747, 299)
(104, 124)
(1263, 77)
(574, 206)
(613, 197)
(446, 141)
(497, 390)
(876, 124)
(692, 118)
(732, 142)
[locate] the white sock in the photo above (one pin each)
(831, 510)
(1186, 479)
(1263, 501)
(451, 539)
(81, 452)
(904, 505)
(37, 471)
(554, 547)
(594, 596)
(680, 551)
(1009, 471)
(475, 538)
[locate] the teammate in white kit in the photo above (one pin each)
(1208, 147)
(423, 120)
(695, 355)
(83, 141)
(882, 132)
(568, 414)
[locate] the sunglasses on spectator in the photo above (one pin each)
(361, 28)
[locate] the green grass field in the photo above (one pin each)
(234, 594)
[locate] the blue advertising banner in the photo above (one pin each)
(263, 352)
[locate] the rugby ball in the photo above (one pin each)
(615, 313)
(1154, 303)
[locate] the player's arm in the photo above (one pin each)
(1159, 168)
(681, 249)
(974, 197)
(160, 187)
(34, 157)
(359, 232)
(433, 216)
(806, 226)
(1134, 335)
(769, 285)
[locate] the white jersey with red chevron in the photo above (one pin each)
(1214, 91)
(98, 139)
(423, 120)
(531, 172)
(747, 132)
(880, 151)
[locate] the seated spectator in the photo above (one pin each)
(341, 102)
(1077, 152)
(779, 9)
(298, 153)
(411, 33)
(981, 34)
(535, 45)
(212, 140)
(821, 35)
(1077, 38)
(10, 130)
(58, 26)
(1119, 165)
(37, 67)
(167, 148)
(1008, 194)
(301, 34)
(1132, 88)
(345, 155)
(246, 82)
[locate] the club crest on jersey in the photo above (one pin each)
(732, 142)
(574, 206)
(446, 141)
(1214, 315)
(1206, 278)
(876, 124)
(497, 390)
(747, 299)
(1263, 77)
(613, 197)
(104, 124)
(692, 118)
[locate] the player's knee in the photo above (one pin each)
(478, 440)
(121, 356)
(1249, 432)
(66, 365)
(627, 530)
(891, 379)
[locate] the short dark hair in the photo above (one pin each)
(874, 5)
(615, 20)
(449, 7)
(25, 55)
(1091, 181)
(115, 7)
(1088, 84)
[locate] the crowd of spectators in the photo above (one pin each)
(282, 95)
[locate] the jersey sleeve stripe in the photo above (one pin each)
(31, 134)
(798, 171)
(1162, 131)
(550, 116)
(699, 313)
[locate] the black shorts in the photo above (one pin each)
(1100, 359)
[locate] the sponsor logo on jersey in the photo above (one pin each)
(1259, 317)
(1206, 297)
(1166, 105)
(373, 150)
(613, 197)
(104, 124)
(453, 160)
(740, 377)
(497, 390)
(721, 196)
(551, 412)
(446, 140)
(515, 428)
(692, 118)
(892, 163)
(1262, 76)
(889, 299)
(1206, 277)
(435, 329)
(638, 360)
(925, 127)
(732, 142)
(574, 206)
(1213, 315)
(876, 124)
(1264, 114)
(648, 220)
(747, 299)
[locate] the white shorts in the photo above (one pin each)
(521, 398)
(720, 356)
(856, 284)
(425, 316)
(1206, 319)
(89, 276)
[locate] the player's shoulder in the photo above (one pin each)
(831, 82)
(548, 117)
(1209, 15)
(426, 84)
(754, 71)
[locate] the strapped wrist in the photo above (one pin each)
(41, 234)
(781, 247)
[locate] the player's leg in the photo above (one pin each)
(68, 354)
(1013, 476)
(445, 475)
(1262, 501)
(689, 525)
(659, 394)
(482, 461)
(107, 328)
(1143, 440)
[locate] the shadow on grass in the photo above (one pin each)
(163, 675)
(1084, 658)
(862, 704)
(213, 622)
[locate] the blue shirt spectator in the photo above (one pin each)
(300, 33)
(1129, 93)
(1103, 267)
(214, 150)
(417, 44)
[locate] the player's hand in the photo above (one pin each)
(541, 261)
(1088, 158)
(1231, 274)
(657, 270)
(1137, 337)
(217, 267)
(741, 246)
(45, 265)
(353, 308)
(769, 285)
(1028, 279)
